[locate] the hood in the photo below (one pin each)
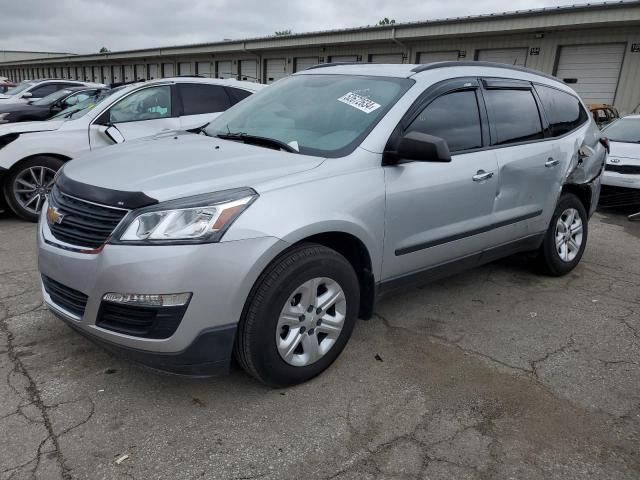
(624, 150)
(182, 165)
(30, 127)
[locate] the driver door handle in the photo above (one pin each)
(551, 162)
(482, 175)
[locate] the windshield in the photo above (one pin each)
(20, 88)
(52, 98)
(321, 115)
(624, 130)
(81, 109)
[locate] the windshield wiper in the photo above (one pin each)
(257, 140)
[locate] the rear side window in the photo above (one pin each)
(513, 115)
(564, 111)
(236, 94)
(201, 98)
(454, 117)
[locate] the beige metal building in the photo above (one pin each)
(19, 55)
(595, 48)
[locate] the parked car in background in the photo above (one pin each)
(32, 152)
(622, 169)
(48, 106)
(35, 89)
(603, 114)
(294, 210)
(6, 85)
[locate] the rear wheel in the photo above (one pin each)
(299, 316)
(566, 237)
(28, 185)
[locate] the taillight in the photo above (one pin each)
(605, 143)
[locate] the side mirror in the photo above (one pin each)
(114, 134)
(27, 95)
(420, 147)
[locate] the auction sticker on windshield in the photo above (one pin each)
(363, 104)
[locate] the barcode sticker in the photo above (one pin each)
(363, 104)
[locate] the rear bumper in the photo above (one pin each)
(208, 355)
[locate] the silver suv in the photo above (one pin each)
(268, 233)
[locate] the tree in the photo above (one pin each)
(104, 50)
(386, 21)
(283, 33)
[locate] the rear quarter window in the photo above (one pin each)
(563, 111)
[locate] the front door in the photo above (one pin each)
(142, 113)
(439, 212)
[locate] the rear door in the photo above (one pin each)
(530, 165)
(440, 212)
(201, 103)
(144, 112)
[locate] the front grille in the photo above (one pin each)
(147, 322)
(630, 169)
(83, 224)
(67, 298)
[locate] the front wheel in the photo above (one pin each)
(27, 186)
(299, 316)
(566, 237)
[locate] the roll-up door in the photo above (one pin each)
(249, 70)
(87, 75)
(592, 70)
(302, 63)
(117, 73)
(343, 58)
(154, 71)
(275, 69)
(444, 56)
(386, 58)
(223, 69)
(205, 69)
(128, 73)
(185, 68)
(509, 56)
(168, 70)
(141, 71)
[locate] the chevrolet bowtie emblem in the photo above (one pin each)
(54, 216)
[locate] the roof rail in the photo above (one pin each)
(474, 63)
(334, 64)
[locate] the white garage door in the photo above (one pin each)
(205, 69)
(343, 58)
(430, 57)
(386, 58)
(302, 63)
(224, 69)
(510, 56)
(154, 71)
(128, 73)
(107, 76)
(275, 69)
(186, 68)
(117, 73)
(249, 70)
(592, 70)
(168, 70)
(88, 74)
(141, 72)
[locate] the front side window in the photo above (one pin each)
(513, 115)
(43, 91)
(317, 114)
(78, 98)
(563, 110)
(146, 104)
(201, 98)
(454, 117)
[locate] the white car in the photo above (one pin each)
(32, 152)
(623, 165)
(35, 89)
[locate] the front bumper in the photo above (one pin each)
(219, 276)
(625, 180)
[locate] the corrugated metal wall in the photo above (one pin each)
(543, 47)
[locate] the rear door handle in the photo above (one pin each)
(551, 162)
(482, 175)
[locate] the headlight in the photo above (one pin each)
(199, 219)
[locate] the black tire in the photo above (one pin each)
(255, 347)
(548, 258)
(9, 188)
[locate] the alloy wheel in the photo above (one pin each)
(569, 235)
(31, 187)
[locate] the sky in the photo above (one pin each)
(84, 26)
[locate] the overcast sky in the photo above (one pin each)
(83, 26)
